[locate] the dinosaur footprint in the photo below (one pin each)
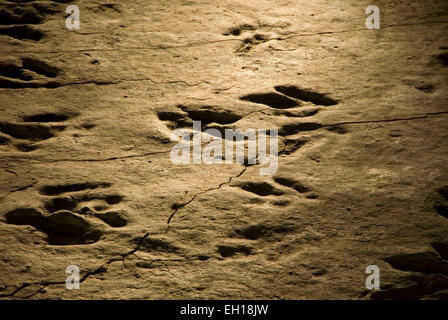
(33, 129)
(68, 212)
(284, 98)
(18, 20)
(183, 116)
(264, 188)
(429, 278)
(251, 36)
(28, 73)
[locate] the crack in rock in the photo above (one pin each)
(19, 189)
(178, 206)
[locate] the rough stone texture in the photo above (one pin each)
(86, 177)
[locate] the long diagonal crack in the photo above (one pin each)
(103, 267)
(100, 269)
(179, 206)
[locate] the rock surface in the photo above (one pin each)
(86, 177)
